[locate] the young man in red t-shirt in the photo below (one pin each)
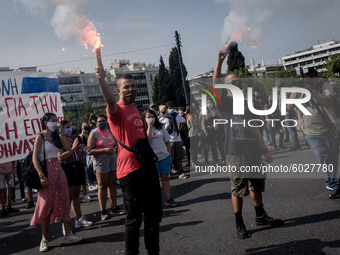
(140, 186)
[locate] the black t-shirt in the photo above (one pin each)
(240, 138)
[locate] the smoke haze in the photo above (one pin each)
(68, 19)
(251, 18)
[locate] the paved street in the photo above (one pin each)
(204, 222)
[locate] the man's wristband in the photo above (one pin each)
(42, 176)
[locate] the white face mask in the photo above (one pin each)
(52, 126)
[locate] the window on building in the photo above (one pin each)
(69, 80)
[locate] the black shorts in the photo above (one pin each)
(75, 173)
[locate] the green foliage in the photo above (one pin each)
(242, 72)
(161, 86)
(73, 118)
(333, 66)
(235, 59)
(177, 92)
(168, 83)
(88, 111)
(285, 73)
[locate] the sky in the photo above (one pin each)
(42, 33)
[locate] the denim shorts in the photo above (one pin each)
(164, 165)
(7, 178)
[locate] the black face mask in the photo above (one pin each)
(129, 96)
(102, 125)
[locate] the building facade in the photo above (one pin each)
(263, 71)
(144, 77)
(71, 92)
(315, 56)
(76, 88)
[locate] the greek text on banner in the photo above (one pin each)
(24, 98)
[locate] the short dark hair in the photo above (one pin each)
(63, 122)
(169, 104)
(102, 116)
(124, 76)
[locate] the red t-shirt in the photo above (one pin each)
(127, 126)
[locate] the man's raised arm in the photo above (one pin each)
(217, 72)
(106, 91)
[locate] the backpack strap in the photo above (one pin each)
(122, 144)
(125, 146)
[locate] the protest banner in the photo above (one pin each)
(24, 98)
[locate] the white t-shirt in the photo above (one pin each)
(159, 138)
(173, 136)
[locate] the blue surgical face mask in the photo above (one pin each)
(171, 111)
(68, 131)
(102, 125)
(210, 105)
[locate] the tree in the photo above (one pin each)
(89, 111)
(235, 59)
(177, 91)
(285, 73)
(333, 65)
(242, 72)
(161, 86)
(70, 116)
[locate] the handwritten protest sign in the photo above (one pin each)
(24, 98)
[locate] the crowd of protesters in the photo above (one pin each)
(100, 155)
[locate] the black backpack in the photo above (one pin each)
(29, 175)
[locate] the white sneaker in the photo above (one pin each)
(83, 222)
(183, 176)
(72, 238)
(93, 187)
(43, 245)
